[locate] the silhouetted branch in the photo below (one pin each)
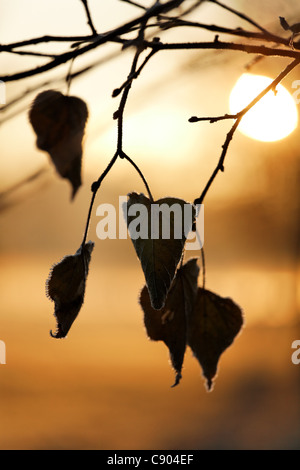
(240, 15)
(212, 119)
(134, 4)
(135, 75)
(126, 157)
(31, 53)
(119, 115)
(4, 202)
(157, 13)
(97, 41)
(229, 46)
(43, 39)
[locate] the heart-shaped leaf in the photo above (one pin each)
(169, 323)
(212, 327)
(66, 287)
(59, 122)
(158, 234)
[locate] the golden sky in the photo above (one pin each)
(251, 248)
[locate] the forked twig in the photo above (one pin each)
(238, 117)
(89, 17)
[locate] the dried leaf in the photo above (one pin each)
(158, 251)
(66, 287)
(59, 122)
(212, 327)
(169, 323)
(284, 23)
(294, 28)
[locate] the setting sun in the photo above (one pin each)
(273, 118)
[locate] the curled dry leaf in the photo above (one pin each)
(169, 323)
(66, 287)
(59, 122)
(212, 327)
(158, 240)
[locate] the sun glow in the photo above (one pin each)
(274, 117)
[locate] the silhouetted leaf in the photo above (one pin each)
(59, 123)
(284, 23)
(169, 323)
(158, 251)
(66, 287)
(212, 327)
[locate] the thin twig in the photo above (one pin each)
(135, 75)
(69, 75)
(212, 119)
(112, 36)
(44, 39)
(134, 4)
(221, 45)
(203, 268)
(133, 69)
(24, 182)
(89, 17)
(119, 152)
(178, 22)
(95, 186)
(238, 117)
(31, 53)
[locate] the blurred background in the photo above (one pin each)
(106, 386)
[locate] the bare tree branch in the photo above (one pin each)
(238, 117)
(24, 182)
(134, 4)
(44, 39)
(31, 53)
(229, 46)
(119, 115)
(135, 75)
(240, 15)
